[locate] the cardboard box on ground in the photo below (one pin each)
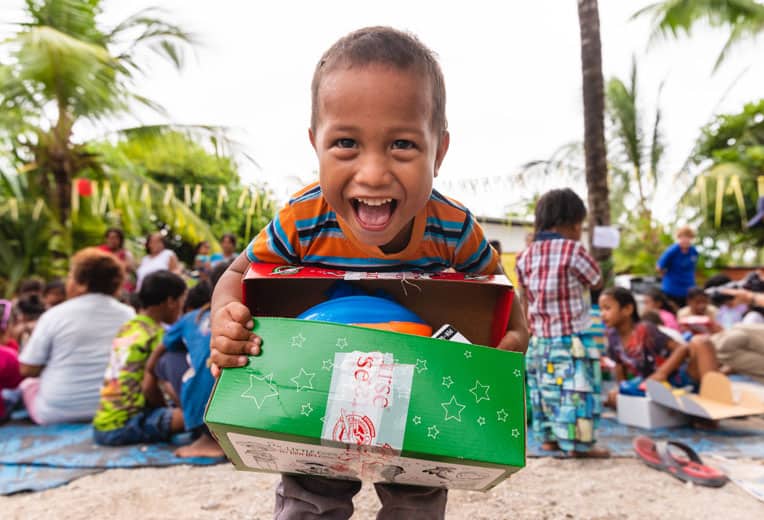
(664, 407)
(437, 413)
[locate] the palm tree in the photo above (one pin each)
(594, 125)
(743, 18)
(64, 69)
(637, 150)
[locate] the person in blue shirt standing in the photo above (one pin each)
(677, 265)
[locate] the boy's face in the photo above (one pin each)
(698, 305)
(684, 241)
(377, 150)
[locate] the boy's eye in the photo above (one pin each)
(403, 144)
(345, 142)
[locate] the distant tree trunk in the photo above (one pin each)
(594, 123)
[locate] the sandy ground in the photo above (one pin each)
(546, 489)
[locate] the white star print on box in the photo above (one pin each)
(447, 381)
(297, 341)
(515, 433)
(307, 409)
(481, 420)
(327, 365)
(303, 380)
(480, 392)
(260, 397)
(417, 420)
(453, 409)
(517, 372)
(421, 365)
(502, 415)
(341, 343)
(468, 354)
(433, 432)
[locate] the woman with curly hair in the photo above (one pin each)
(65, 358)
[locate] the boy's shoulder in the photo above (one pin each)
(140, 326)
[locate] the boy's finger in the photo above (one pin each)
(233, 347)
(233, 330)
(215, 369)
(240, 314)
(227, 361)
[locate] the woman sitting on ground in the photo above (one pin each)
(66, 356)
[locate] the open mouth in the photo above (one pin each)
(374, 214)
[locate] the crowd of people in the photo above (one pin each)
(121, 344)
(676, 334)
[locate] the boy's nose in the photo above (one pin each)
(373, 171)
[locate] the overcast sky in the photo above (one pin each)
(512, 74)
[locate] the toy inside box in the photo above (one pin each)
(351, 402)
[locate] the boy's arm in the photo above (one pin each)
(231, 323)
(149, 384)
(678, 354)
(517, 337)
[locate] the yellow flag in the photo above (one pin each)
(196, 199)
(737, 189)
(719, 200)
(169, 194)
(222, 196)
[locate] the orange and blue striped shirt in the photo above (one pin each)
(308, 232)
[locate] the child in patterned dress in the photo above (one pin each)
(555, 274)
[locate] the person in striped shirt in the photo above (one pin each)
(378, 128)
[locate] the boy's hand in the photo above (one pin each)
(232, 338)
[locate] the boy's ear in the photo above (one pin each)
(445, 140)
(312, 138)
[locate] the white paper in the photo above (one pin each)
(606, 237)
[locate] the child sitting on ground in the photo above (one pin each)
(699, 316)
(555, 274)
(641, 349)
(657, 302)
(378, 127)
(180, 365)
(124, 416)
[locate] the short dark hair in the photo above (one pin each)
(30, 285)
(198, 296)
(623, 297)
(652, 317)
(31, 306)
(229, 236)
(559, 208)
(118, 232)
(717, 280)
(54, 285)
(695, 292)
(657, 296)
(97, 270)
(383, 46)
(160, 286)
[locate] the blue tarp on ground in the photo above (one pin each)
(34, 457)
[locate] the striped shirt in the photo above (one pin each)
(308, 232)
(555, 276)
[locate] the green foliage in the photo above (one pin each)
(743, 18)
(731, 146)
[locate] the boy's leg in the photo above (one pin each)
(29, 388)
(535, 365)
(308, 497)
(702, 359)
(170, 369)
(401, 501)
(148, 426)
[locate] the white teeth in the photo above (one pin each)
(374, 202)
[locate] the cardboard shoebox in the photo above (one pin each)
(357, 403)
(717, 399)
(643, 412)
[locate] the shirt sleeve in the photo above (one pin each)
(38, 349)
(473, 253)
(278, 242)
(173, 337)
(585, 267)
(665, 260)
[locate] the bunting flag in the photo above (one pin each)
(94, 198)
(222, 196)
(736, 189)
(123, 194)
(187, 195)
(169, 195)
(760, 181)
(145, 195)
(75, 202)
(196, 199)
(106, 202)
(719, 200)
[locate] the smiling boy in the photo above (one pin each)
(378, 127)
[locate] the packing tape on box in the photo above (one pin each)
(368, 400)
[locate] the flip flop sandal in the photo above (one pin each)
(690, 469)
